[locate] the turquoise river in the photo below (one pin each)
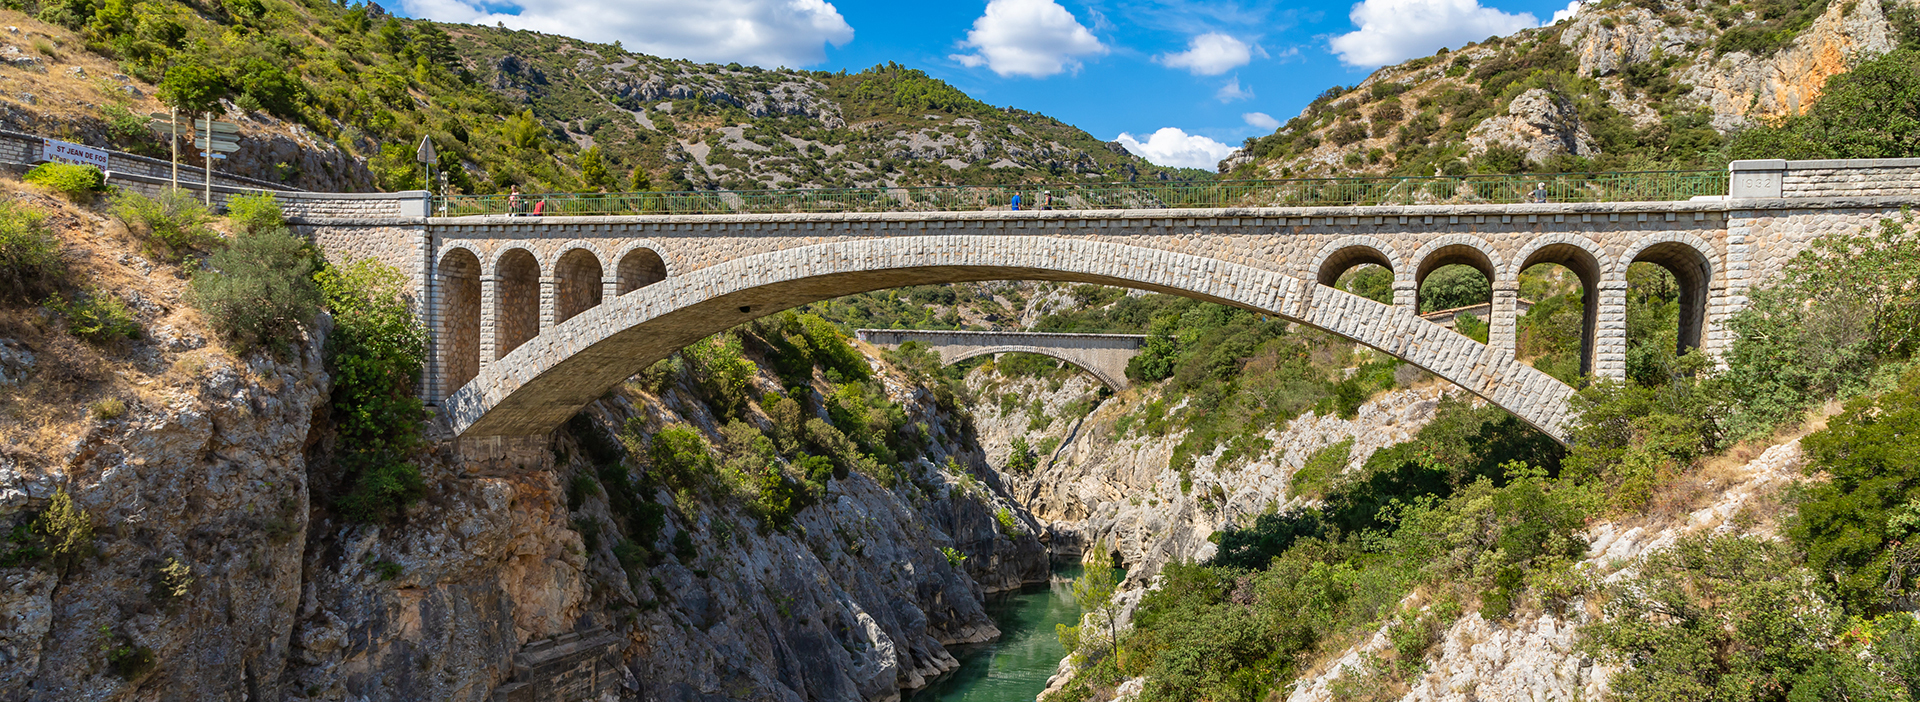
(1015, 667)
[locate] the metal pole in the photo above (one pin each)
(209, 150)
(173, 140)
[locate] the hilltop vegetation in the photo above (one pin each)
(547, 112)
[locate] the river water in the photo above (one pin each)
(1014, 667)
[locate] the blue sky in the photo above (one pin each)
(1177, 81)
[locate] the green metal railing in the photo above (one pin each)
(1644, 186)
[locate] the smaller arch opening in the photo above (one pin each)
(638, 269)
(1559, 294)
(1667, 288)
(577, 284)
(516, 305)
(1340, 262)
(459, 341)
(1457, 281)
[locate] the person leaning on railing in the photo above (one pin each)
(1539, 193)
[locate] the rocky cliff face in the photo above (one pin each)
(1098, 485)
(223, 472)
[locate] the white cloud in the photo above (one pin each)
(1260, 120)
(1391, 31)
(1210, 54)
(1177, 149)
(1573, 9)
(761, 32)
(1036, 38)
(1232, 91)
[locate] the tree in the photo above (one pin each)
(1094, 591)
(193, 87)
(593, 170)
(258, 290)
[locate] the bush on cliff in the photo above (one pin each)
(259, 290)
(173, 221)
(78, 183)
(29, 254)
(375, 355)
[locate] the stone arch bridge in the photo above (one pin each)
(1103, 355)
(532, 318)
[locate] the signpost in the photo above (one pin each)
(171, 130)
(426, 155)
(215, 141)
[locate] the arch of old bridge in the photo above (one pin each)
(1103, 355)
(534, 317)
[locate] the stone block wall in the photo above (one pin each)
(573, 667)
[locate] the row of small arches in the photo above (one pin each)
(1689, 260)
(580, 282)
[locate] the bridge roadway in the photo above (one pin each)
(1103, 355)
(532, 318)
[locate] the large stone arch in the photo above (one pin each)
(545, 382)
(1115, 378)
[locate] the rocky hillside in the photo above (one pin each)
(1624, 85)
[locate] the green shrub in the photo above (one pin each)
(255, 213)
(130, 662)
(1733, 618)
(172, 580)
(375, 355)
(1838, 308)
(173, 221)
(1008, 526)
(955, 558)
(1020, 458)
(721, 372)
(78, 183)
(29, 254)
(1857, 525)
(1322, 469)
(259, 290)
(63, 532)
(98, 317)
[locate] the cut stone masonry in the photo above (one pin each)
(521, 341)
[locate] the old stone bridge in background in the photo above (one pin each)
(1103, 355)
(532, 318)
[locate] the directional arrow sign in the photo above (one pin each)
(218, 145)
(167, 128)
(200, 125)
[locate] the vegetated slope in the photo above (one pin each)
(516, 108)
(1625, 85)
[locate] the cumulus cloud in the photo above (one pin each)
(1391, 31)
(1036, 38)
(761, 32)
(1210, 54)
(1573, 10)
(1232, 91)
(1260, 120)
(1175, 148)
